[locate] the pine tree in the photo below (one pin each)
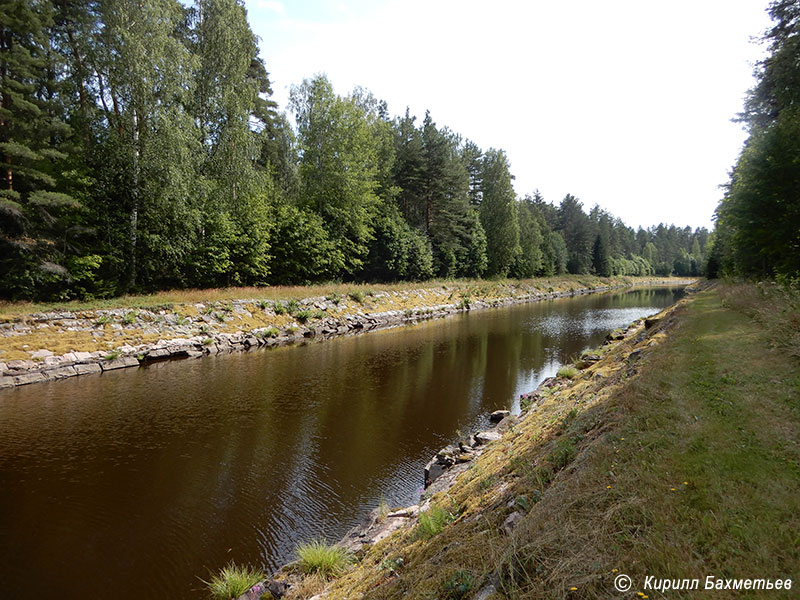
(36, 210)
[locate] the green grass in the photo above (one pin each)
(681, 465)
(568, 372)
(432, 522)
(233, 581)
(357, 295)
(324, 559)
(303, 316)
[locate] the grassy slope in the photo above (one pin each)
(680, 463)
(10, 310)
(182, 303)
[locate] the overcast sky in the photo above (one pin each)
(625, 104)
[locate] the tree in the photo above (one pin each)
(456, 234)
(37, 209)
(228, 81)
(338, 168)
(758, 219)
(601, 259)
(529, 261)
(499, 214)
(575, 228)
(146, 161)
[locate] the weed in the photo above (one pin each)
(181, 321)
(303, 315)
(279, 309)
(319, 314)
(432, 522)
(204, 329)
(568, 372)
(219, 317)
(391, 565)
(262, 304)
(383, 510)
(233, 581)
(129, 318)
(334, 298)
(113, 355)
(292, 306)
(269, 332)
(357, 295)
(102, 320)
(291, 329)
(459, 584)
(487, 482)
(325, 559)
(208, 342)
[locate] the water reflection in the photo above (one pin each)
(136, 482)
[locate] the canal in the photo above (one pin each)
(136, 483)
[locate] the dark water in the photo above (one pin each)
(133, 483)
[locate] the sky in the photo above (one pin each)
(623, 103)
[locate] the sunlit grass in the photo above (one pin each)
(326, 560)
(233, 581)
(331, 290)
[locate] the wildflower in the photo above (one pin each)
(573, 589)
(614, 570)
(608, 487)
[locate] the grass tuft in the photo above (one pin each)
(324, 559)
(233, 581)
(568, 372)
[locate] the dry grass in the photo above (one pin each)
(681, 464)
(348, 299)
(193, 296)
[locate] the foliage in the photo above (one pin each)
(432, 522)
(758, 219)
(142, 151)
(233, 581)
(325, 559)
(568, 372)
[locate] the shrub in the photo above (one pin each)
(322, 558)
(233, 581)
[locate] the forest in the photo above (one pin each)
(758, 220)
(141, 150)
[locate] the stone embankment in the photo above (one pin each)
(58, 345)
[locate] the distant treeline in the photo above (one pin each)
(141, 150)
(758, 220)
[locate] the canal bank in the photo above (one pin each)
(142, 480)
(673, 455)
(56, 345)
